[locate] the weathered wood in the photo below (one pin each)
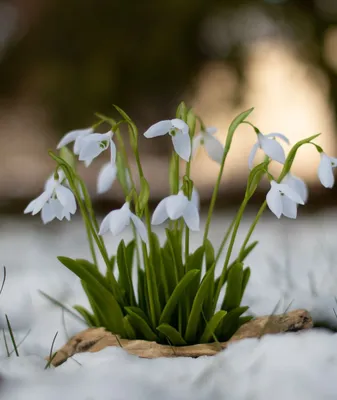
(96, 339)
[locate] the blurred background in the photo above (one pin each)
(63, 60)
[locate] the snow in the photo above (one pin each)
(293, 265)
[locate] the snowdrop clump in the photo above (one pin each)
(177, 296)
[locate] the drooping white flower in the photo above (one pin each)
(106, 177)
(117, 220)
(213, 146)
(57, 201)
(282, 199)
(75, 136)
(174, 207)
(178, 130)
(325, 170)
(296, 184)
(94, 144)
(271, 147)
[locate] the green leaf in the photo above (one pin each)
(112, 286)
(191, 122)
(141, 289)
(169, 268)
(246, 251)
(245, 280)
(209, 252)
(144, 194)
(132, 127)
(159, 267)
(122, 174)
(254, 178)
(172, 174)
(172, 334)
(230, 324)
(110, 307)
(140, 325)
(233, 126)
(174, 243)
(130, 332)
(88, 317)
(68, 156)
(212, 325)
(233, 293)
(104, 118)
(125, 278)
(194, 318)
(177, 294)
(181, 112)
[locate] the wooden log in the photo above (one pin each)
(96, 339)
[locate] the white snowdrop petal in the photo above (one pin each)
(181, 125)
(272, 148)
(73, 135)
(119, 221)
(252, 155)
(57, 208)
(47, 213)
(278, 135)
(191, 216)
(182, 145)
(66, 198)
(159, 129)
(195, 198)
(90, 150)
(160, 214)
(175, 205)
(140, 227)
(289, 207)
(105, 224)
(325, 173)
(214, 148)
(274, 201)
(298, 185)
(291, 193)
(40, 202)
(106, 177)
(30, 207)
(113, 152)
(211, 130)
(196, 142)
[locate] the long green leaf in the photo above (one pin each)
(141, 326)
(130, 332)
(194, 318)
(233, 293)
(233, 126)
(100, 291)
(171, 334)
(125, 278)
(230, 324)
(158, 264)
(245, 280)
(177, 294)
(89, 318)
(209, 253)
(212, 325)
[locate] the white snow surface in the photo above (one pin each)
(292, 267)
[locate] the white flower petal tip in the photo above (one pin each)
(325, 170)
(106, 177)
(57, 201)
(213, 146)
(270, 147)
(73, 136)
(297, 185)
(177, 206)
(117, 220)
(178, 130)
(283, 199)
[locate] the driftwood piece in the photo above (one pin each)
(96, 339)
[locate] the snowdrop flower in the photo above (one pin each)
(88, 145)
(271, 147)
(75, 136)
(325, 173)
(282, 199)
(178, 130)
(117, 220)
(212, 145)
(297, 185)
(106, 177)
(174, 207)
(57, 201)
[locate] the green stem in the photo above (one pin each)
(237, 220)
(224, 241)
(251, 229)
(215, 194)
